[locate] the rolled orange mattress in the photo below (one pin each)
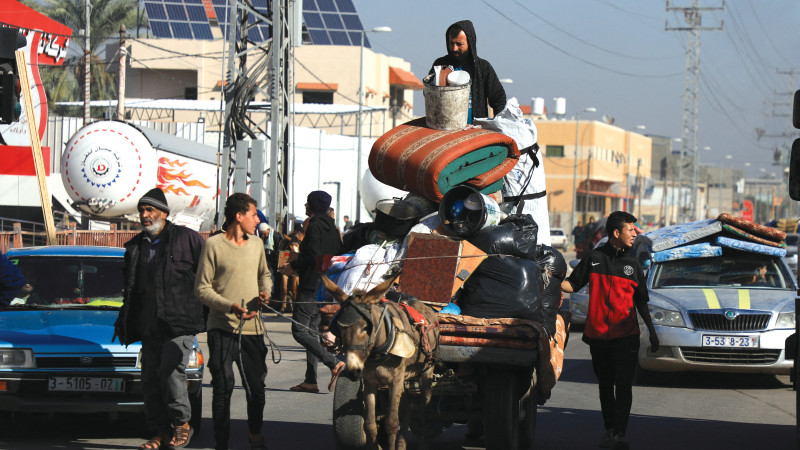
(430, 162)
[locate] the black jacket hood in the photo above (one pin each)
(469, 30)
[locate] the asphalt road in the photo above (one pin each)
(687, 411)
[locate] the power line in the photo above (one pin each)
(560, 50)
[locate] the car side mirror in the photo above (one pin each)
(794, 161)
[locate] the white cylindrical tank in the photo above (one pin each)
(561, 106)
(107, 167)
(537, 106)
(373, 191)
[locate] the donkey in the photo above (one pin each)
(387, 348)
(290, 243)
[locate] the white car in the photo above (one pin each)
(558, 239)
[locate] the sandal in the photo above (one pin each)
(181, 435)
(154, 443)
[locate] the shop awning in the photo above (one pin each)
(404, 78)
(317, 87)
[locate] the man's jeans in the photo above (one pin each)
(166, 399)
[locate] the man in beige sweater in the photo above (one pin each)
(233, 281)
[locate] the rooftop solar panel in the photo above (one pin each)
(181, 30)
(319, 37)
(339, 37)
(176, 12)
(333, 21)
(155, 11)
(346, 6)
(352, 22)
(160, 28)
(202, 32)
(196, 13)
(326, 5)
(313, 20)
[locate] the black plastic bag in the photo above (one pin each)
(515, 236)
(504, 286)
(554, 270)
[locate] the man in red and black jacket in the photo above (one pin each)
(616, 290)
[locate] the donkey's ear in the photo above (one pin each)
(335, 291)
(376, 294)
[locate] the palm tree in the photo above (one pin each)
(65, 83)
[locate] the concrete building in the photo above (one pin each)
(603, 167)
(324, 75)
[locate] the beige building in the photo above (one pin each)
(596, 164)
(323, 75)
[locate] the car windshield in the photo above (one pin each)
(70, 282)
(730, 270)
(556, 233)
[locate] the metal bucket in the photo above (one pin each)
(446, 107)
(460, 220)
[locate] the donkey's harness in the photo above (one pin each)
(351, 312)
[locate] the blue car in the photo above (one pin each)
(56, 349)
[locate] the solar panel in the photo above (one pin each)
(155, 11)
(326, 5)
(339, 37)
(184, 19)
(346, 6)
(333, 22)
(319, 37)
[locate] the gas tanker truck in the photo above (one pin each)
(108, 165)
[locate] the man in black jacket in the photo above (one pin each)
(321, 238)
(462, 54)
(160, 309)
(616, 291)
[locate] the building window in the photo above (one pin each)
(554, 151)
(325, 98)
(190, 93)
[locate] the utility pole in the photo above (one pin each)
(691, 91)
(259, 69)
(87, 64)
(123, 52)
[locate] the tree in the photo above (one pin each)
(65, 83)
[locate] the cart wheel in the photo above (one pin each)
(527, 415)
(348, 414)
(500, 409)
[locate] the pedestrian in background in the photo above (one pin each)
(321, 238)
(616, 291)
(576, 232)
(159, 308)
(347, 224)
(11, 281)
(233, 281)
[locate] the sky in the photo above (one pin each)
(616, 56)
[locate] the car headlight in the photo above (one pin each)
(785, 320)
(195, 359)
(16, 358)
(666, 317)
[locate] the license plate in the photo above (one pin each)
(86, 384)
(730, 341)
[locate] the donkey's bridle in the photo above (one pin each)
(346, 318)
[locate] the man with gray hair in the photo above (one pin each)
(159, 308)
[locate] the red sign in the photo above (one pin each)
(747, 212)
